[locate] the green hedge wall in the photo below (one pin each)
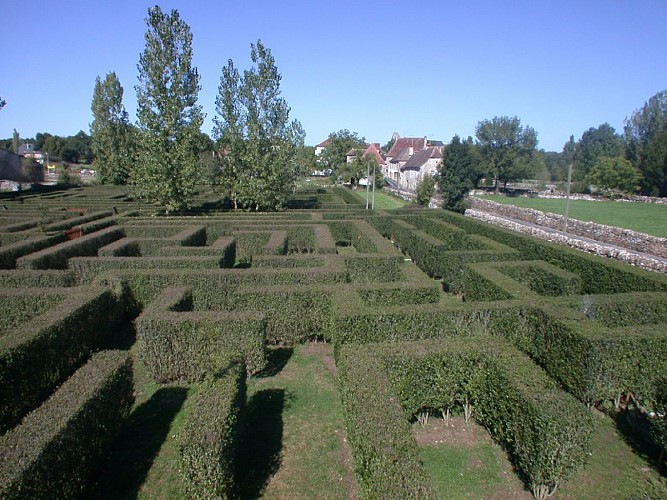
(30, 278)
(438, 259)
(17, 307)
(188, 346)
(384, 452)
(211, 287)
(9, 254)
(543, 278)
(77, 221)
(597, 274)
(292, 315)
(374, 269)
(622, 309)
(209, 439)
(87, 268)
(54, 451)
(56, 257)
(546, 431)
(39, 354)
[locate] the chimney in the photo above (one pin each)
(411, 151)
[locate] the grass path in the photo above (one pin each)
(466, 463)
(293, 445)
(294, 442)
(649, 218)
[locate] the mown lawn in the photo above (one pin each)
(649, 218)
(386, 201)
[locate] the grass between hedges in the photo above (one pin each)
(466, 463)
(649, 218)
(293, 446)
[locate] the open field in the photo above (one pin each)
(649, 218)
(289, 355)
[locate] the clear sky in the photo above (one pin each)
(422, 68)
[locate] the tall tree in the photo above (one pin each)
(2, 103)
(258, 145)
(596, 143)
(615, 174)
(646, 143)
(334, 156)
(508, 147)
(16, 141)
(169, 118)
(111, 132)
(458, 173)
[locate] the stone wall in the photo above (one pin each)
(625, 238)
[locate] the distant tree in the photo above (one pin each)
(16, 142)
(54, 146)
(40, 139)
(508, 147)
(596, 143)
(615, 174)
(425, 190)
(169, 118)
(334, 156)
(258, 145)
(111, 132)
(458, 173)
(32, 171)
(306, 161)
(77, 148)
(2, 103)
(646, 143)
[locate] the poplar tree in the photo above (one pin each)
(169, 118)
(111, 132)
(257, 144)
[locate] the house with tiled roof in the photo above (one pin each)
(322, 146)
(419, 165)
(402, 149)
(373, 150)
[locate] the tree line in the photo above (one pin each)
(72, 149)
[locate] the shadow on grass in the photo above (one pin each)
(259, 454)
(276, 359)
(140, 439)
(634, 429)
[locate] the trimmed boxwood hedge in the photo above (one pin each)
(87, 268)
(211, 286)
(209, 438)
(39, 354)
(546, 431)
(56, 257)
(597, 274)
(188, 346)
(9, 254)
(53, 452)
(385, 455)
(31, 278)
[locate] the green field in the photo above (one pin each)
(649, 218)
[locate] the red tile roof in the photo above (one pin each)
(416, 143)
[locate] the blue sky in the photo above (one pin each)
(422, 68)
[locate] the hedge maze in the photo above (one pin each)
(429, 313)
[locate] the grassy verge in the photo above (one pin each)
(386, 201)
(649, 218)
